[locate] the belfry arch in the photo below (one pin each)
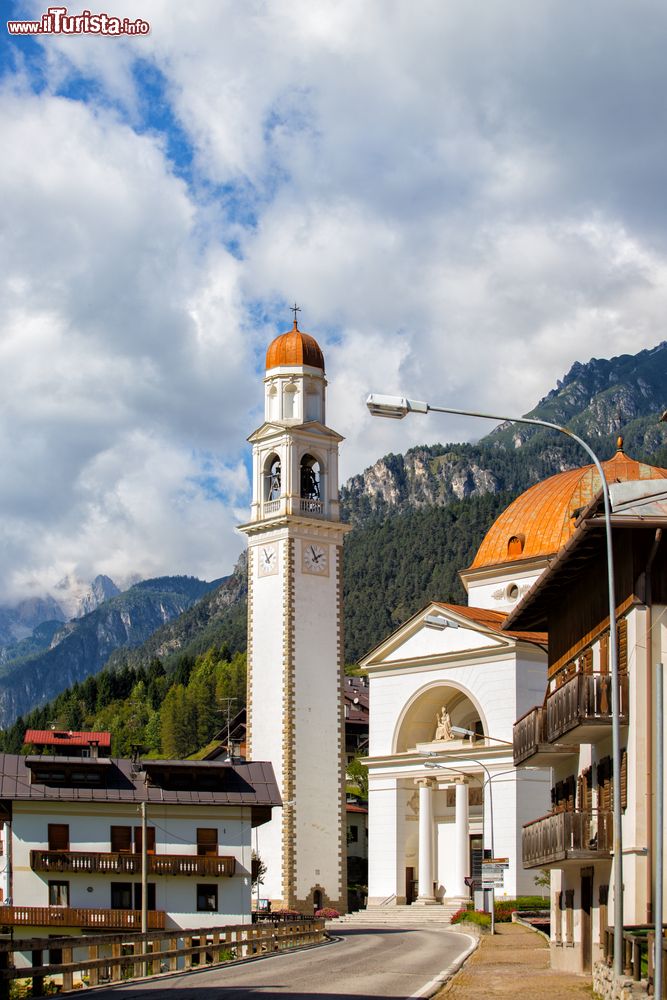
(310, 478)
(272, 477)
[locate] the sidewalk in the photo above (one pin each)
(513, 963)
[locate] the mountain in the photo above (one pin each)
(17, 622)
(81, 646)
(598, 400)
(217, 619)
(417, 519)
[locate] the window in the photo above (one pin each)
(515, 545)
(150, 840)
(207, 842)
(353, 835)
(121, 895)
(59, 836)
(58, 893)
(207, 898)
(150, 895)
(121, 839)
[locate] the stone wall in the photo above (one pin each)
(607, 986)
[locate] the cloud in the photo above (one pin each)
(462, 206)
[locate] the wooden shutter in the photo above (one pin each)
(207, 842)
(59, 836)
(587, 662)
(604, 784)
(624, 779)
(604, 654)
(150, 840)
(121, 839)
(622, 644)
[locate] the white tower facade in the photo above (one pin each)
(295, 636)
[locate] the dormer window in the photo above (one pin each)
(515, 545)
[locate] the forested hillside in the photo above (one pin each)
(161, 715)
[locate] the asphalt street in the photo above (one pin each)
(365, 962)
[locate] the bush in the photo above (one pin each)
(472, 917)
(327, 913)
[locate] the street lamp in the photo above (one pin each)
(397, 407)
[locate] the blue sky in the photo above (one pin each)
(463, 201)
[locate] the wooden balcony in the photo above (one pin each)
(93, 863)
(530, 741)
(581, 708)
(66, 916)
(567, 836)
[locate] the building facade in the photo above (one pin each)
(73, 838)
(295, 640)
(570, 728)
(439, 798)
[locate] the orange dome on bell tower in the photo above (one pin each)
(294, 348)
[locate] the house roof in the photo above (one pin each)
(494, 620)
(38, 778)
(65, 738)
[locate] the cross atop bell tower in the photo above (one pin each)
(295, 639)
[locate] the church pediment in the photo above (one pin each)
(312, 428)
(439, 632)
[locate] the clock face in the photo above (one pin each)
(268, 559)
(315, 558)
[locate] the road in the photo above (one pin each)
(366, 962)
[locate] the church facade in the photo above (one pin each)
(295, 649)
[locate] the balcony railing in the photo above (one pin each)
(66, 916)
(584, 701)
(529, 738)
(567, 836)
(311, 506)
(94, 863)
(270, 507)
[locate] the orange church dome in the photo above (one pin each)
(294, 348)
(542, 519)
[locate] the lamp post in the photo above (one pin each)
(397, 407)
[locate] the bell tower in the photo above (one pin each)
(295, 640)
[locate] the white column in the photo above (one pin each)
(426, 867)
(461, 840)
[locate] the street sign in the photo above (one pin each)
(493, 871)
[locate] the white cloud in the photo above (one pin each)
(463, 203)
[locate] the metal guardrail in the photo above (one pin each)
(114, 958)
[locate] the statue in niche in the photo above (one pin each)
(443, 730)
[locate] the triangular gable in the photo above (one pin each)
(268, 430)
(415, 641)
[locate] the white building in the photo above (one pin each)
(295, 640)
(73, 841)
(427, 824)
